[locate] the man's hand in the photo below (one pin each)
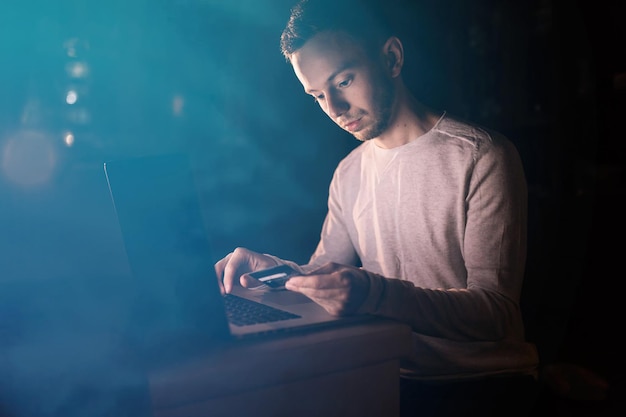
(340, 289)
(236, 265)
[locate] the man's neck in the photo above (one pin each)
(410, 121)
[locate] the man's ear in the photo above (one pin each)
(393, 53)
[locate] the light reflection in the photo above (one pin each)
(28, 158)
(71, 97)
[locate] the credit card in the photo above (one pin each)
(274, 277)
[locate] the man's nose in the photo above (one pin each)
(336, 105)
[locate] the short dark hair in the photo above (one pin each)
(363, 20)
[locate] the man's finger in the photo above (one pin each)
(306, 282)
(328, 268)
(232, 271)
(219, 271)
(247, 281)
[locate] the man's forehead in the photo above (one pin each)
(332, 42)
(323, 56)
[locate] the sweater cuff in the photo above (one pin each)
(376, 293)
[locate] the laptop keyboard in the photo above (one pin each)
(244, 312)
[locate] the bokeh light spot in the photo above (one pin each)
(71, 97)
(77, 69)
(68, 139)
(178, 103)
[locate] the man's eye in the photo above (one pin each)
(318, 98)
(345, 83)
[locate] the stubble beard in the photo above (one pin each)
(383, 100)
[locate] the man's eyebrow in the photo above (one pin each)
(345, 66)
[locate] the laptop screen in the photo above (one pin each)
(177, 306)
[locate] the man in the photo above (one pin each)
(426, 219)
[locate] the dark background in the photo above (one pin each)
(206, 77)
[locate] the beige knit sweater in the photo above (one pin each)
(440, 224)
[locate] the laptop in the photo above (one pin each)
(177, 307)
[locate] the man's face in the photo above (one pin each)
(351, 88)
